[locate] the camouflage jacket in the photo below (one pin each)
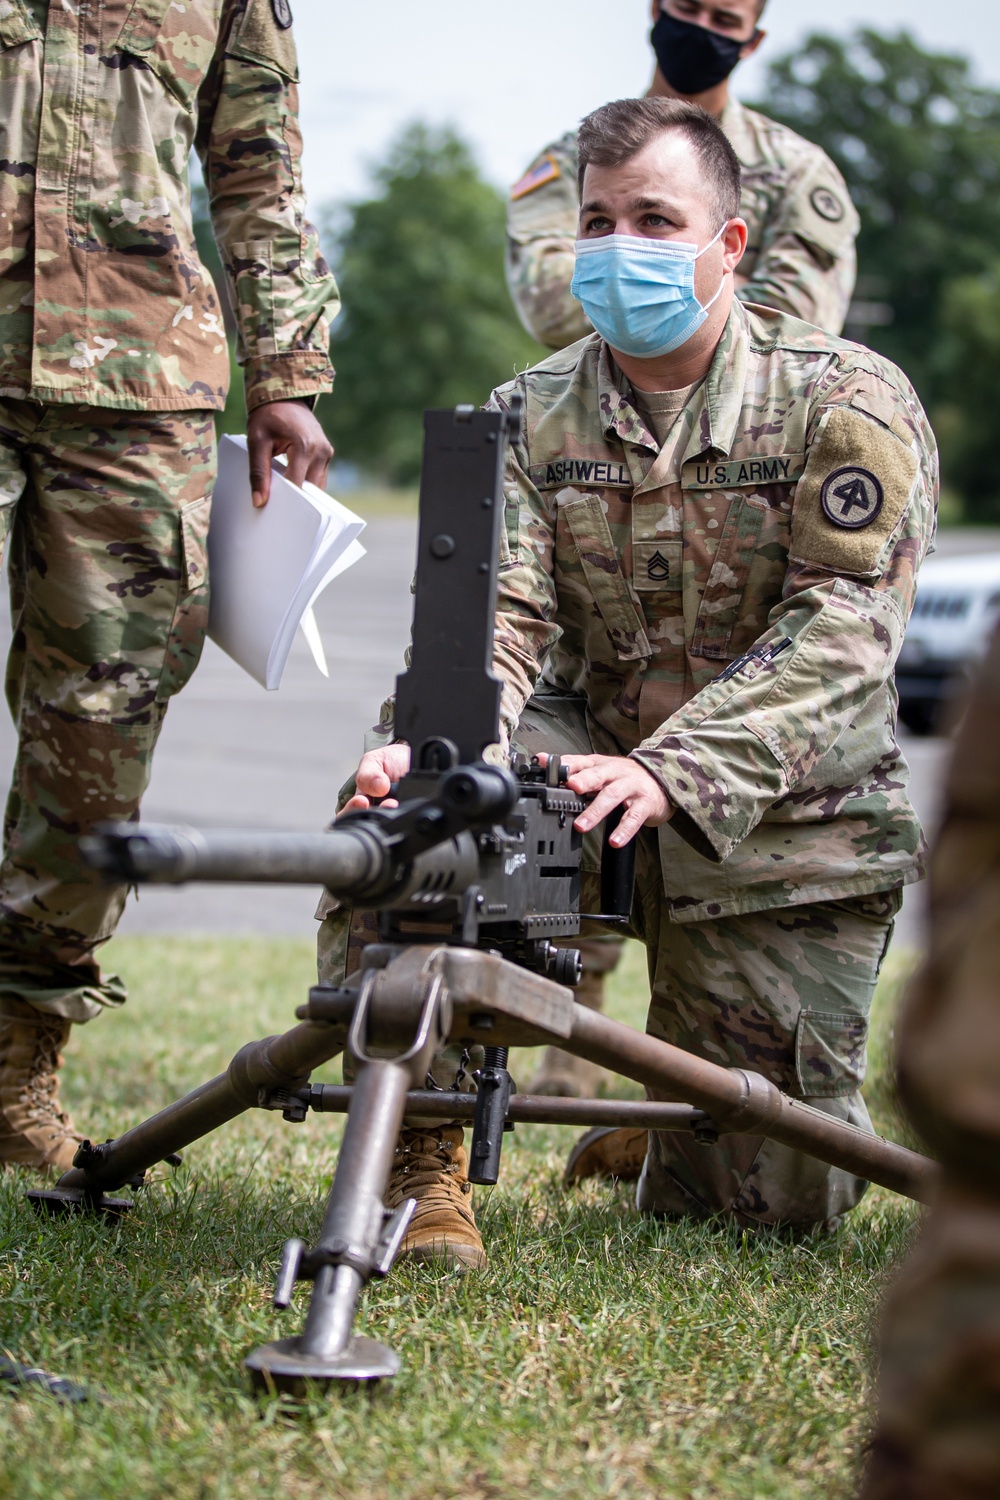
(800, 254)
(732, 605)
(103, 299)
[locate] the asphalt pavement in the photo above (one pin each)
(234, 755)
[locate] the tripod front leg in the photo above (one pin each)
(360, 1238)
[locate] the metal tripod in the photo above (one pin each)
(392, 1017)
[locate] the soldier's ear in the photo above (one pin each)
(749, 48)
(734, 243)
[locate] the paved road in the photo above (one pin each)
(234, 755)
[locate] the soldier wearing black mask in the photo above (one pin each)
(698, 45)
(800, 259)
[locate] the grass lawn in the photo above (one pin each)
(601, 1354)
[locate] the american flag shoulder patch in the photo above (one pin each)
(546, 170)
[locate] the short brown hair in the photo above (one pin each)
(617, 132)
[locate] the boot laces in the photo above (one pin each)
(39, 1091)
(424, 1159)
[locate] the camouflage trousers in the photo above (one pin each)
(105, 517)
(785, 992)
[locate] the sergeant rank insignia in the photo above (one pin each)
(851, 498)
(658, 568)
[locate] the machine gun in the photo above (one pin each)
(475, 872)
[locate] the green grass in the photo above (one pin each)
(600, 1355)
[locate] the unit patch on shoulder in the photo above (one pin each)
(546, 170)
(852, 498)
(857, 485)
(827, 205)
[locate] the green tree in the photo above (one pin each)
(919, 144)
(427, 318)
(965, 415)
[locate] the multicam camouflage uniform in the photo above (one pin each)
(939, 1426)
(800, 259)
(730, 606)
(800, 255)
(112, 357)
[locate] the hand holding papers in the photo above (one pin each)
(268, 567)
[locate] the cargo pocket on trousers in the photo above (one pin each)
(190, 623)
(829, 1054)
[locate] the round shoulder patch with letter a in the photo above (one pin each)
(827, 205)
(851, 498)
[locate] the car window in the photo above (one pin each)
(934, 606)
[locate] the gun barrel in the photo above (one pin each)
(343, 860)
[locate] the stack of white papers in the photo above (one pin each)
(268, 567)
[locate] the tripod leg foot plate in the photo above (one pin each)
(61, 1201)
(283, 1366)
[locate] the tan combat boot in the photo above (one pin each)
(34, 1132)
(617, 1152)
(432, 1166)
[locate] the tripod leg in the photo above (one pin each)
(740, 1101)
(347, 1253)
(276, 1062)
(405, 1002)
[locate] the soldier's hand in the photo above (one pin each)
(287, 427)
(376, 773)
(613, 781)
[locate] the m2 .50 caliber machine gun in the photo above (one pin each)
(475, 872)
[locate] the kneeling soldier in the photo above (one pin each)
(714, 523)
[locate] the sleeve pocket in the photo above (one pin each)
(17, 26)
(259, 38)
(830, 1054)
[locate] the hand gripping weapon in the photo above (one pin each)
(474, 874)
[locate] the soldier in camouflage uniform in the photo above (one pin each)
(113, 358)
(939, 1427)
(800, 259)
(713, 553)
(802, 224)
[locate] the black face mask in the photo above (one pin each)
(692, 58)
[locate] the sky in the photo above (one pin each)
(513, 76)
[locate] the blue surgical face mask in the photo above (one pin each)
(639, 293)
